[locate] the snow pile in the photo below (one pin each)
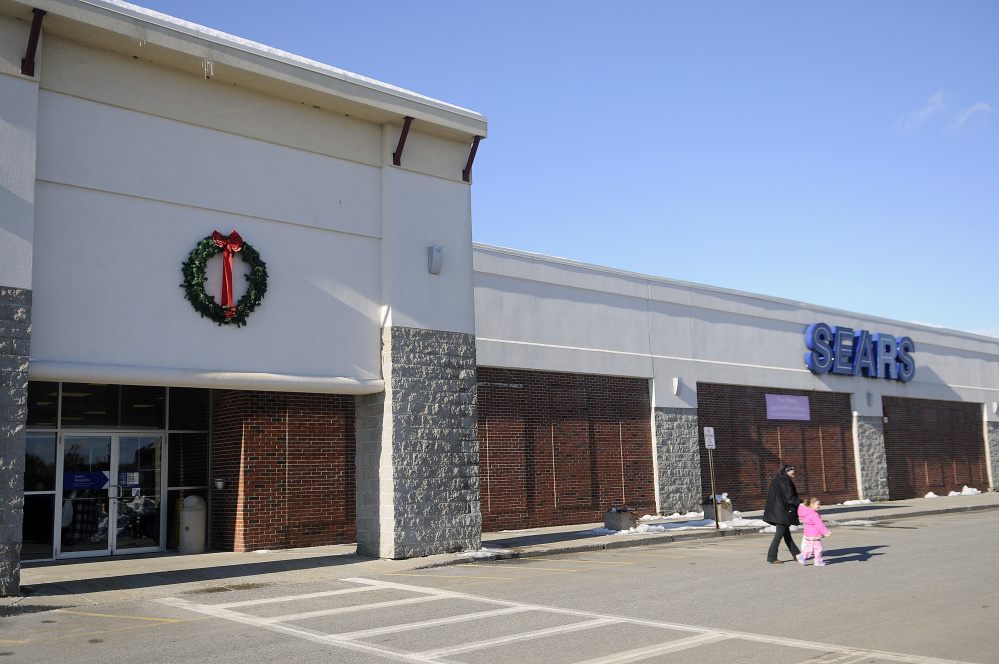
(931, 495)
(647, 528)
(865, 501)
(688, 515)
(484, 552)
(965, 492)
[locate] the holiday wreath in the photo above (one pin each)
(194, 279)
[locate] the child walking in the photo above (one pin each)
(815, 530)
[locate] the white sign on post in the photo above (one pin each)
(709, 438)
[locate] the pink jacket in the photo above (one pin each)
(812, 521)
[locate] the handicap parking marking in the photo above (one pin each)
(582, 620)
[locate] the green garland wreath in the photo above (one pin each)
(194, 284)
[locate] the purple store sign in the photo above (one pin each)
(784, 407)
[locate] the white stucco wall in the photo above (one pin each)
(544, 313)
(18, 114)
(137, 162)
(420, 211)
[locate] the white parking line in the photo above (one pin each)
(833, 654)
(515, 638)
(405, 627)
(638, 654)
(296, 598)
(348, 609)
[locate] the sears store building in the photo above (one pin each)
(232, 273)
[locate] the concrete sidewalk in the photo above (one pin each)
(84, 582)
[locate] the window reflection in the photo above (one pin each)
(40, 462)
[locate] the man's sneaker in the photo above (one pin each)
(820, 564)
(801, 558)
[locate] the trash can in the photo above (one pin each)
(192, 524)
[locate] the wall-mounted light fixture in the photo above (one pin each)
(220, 482)
(435, 257)
(677, 384)
(995, 407)
(870, 399)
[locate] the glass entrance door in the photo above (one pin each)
(111, 494)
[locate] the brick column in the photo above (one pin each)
(417, 450)
(15, 329)
(869, 449)
(678, 461)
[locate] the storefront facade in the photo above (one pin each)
(859, 421)
(233, 273)
(131, 142)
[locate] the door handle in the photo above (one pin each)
(114, 491)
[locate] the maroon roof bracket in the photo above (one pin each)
(28, 63)
(467, 173)
(397, 155)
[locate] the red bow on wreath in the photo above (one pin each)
(229, 245)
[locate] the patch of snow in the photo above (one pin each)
(773, 529)
(856, 522)
(931, 495)
(688, 515)
(522, 530)
(484, 552)
(865, 501)
(744, 523)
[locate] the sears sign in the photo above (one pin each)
(842, 350)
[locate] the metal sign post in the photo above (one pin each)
(709, 442)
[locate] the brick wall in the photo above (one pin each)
(751, 448)
(559, 448)
(936, 446)
(290, 458)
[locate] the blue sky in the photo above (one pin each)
(839, 153)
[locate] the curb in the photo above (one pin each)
(669, 539)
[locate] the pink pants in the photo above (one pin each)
(812, 547)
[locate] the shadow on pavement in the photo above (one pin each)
(534, 539)
(174, 577)
(858, 554)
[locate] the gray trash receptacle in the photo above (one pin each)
(192, 524)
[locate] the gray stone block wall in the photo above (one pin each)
(15, 330)
(418, 455)
(678, 460)
(873, 480)
(992, 440)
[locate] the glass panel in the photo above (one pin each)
(36, 532)
(143, 407)
(139, 464)
(43, 404)
(86, 473)
(174, 501)
(188, 459)
(89, 405)
(189, 408)
(40, 462)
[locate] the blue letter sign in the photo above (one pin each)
(842, 350)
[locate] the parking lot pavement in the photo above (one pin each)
(705, 600)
